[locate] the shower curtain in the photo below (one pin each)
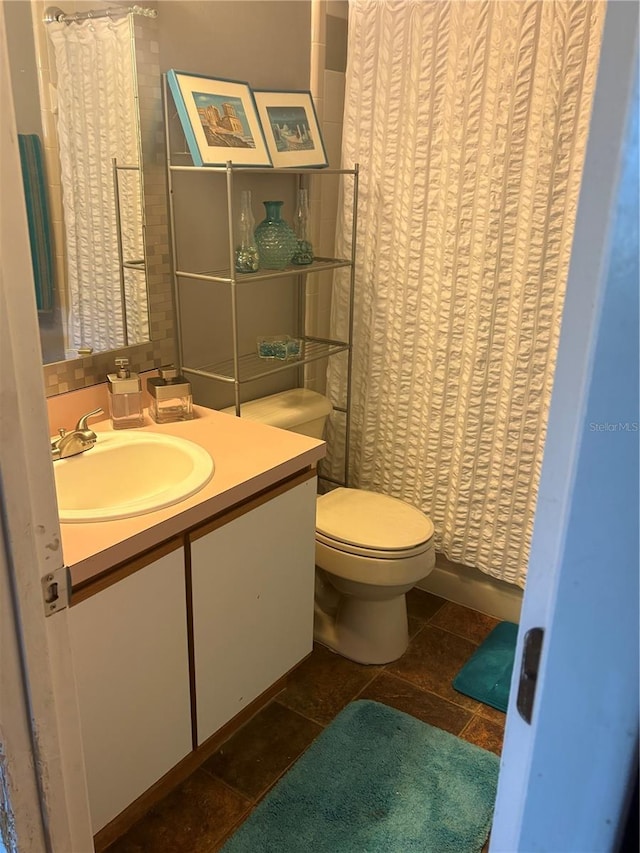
(469, 121)
(97, 121)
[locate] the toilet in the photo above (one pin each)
(371, 549)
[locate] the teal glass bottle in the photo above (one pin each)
(276, 240)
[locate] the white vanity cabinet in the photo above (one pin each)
(129, 643)
(252, 580)
(171, 646)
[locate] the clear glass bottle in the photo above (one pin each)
(125, 397)
(304, 251)
(171, 398)
(246, 259)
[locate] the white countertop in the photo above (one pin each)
(249, 457)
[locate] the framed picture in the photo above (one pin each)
(291, 127)
(219, 120)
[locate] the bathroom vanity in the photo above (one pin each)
(184, 621)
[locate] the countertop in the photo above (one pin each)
(249, 457)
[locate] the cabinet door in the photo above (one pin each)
(129, 645)
(253, 587)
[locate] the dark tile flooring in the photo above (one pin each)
(200, 815)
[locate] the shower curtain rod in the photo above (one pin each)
(53, 13)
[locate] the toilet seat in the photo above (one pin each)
(371, 525)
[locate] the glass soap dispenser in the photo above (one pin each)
(171, 398)
(125, 396)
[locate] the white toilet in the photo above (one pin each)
(370, 548)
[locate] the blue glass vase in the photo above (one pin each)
(276, 240)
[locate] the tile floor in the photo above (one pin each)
(200, 815)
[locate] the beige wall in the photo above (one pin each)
(328, 65)
(22, 61)
(70, 374)
(270, 44)
(280, 45)
(266, 44)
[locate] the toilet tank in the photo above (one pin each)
(298, 410)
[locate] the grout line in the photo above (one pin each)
(456, 634)
(250, 800)
(371, 680)
(220, 842)
(433, 693)
(466, 725)
(435, 613)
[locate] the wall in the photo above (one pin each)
(230, 39)
(329, 25)
(26, 63)
(21, 51)
(266, 44)
(227, 39)
(70, 374)
(472, 588)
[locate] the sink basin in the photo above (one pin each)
(127, 475)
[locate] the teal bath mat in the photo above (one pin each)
(486, 676)
(380, 781)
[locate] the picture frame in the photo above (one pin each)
(291, 128)
(219, 119)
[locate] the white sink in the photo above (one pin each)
(129, 474)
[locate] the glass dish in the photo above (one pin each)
(282, 347)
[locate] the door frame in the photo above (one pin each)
(565, 778)
(43, 760)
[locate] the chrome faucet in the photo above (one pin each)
(75, 441)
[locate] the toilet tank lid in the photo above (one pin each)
(286, 409)
(371, 520)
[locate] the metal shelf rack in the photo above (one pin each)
(241, 368)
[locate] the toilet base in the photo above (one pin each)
(363, 630)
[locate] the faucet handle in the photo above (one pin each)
(82, 423)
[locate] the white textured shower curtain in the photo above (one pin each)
(97, 120)
(469, 121)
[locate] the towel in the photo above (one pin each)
(35, 193)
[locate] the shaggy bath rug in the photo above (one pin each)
(377, 781)
(486, 676)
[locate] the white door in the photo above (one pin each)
(41, 763)
(565, 777)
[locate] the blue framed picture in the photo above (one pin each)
(219, 120)
(291, 128)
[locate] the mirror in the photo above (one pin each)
(95, 306)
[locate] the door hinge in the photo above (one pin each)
(56, 590)
(531, 651)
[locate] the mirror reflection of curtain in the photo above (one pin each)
(97, 121)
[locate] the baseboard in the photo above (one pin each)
(472, 588)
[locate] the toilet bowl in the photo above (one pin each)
(371, 549)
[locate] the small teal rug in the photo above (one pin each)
(486, 676)
(377, 781)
